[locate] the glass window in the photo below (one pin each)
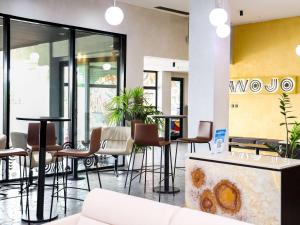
(97, 58)
(150, 87)
(36, 79)
(1, 76)
(150, 79)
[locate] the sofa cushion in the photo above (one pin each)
(119, 209)
(88, 221)
(70, 220)
(193, 217)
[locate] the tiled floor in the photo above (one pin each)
(10, 213)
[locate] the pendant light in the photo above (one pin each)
(114, 15)
(218, 17)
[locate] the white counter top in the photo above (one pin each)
(270, 162)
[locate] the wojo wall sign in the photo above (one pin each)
(266, 85)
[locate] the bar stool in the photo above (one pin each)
(80, 155)
(146, 135)
(205, 130)
(23, 176)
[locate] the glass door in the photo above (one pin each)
(176, 107)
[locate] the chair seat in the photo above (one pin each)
(194, 140)
(12, 152)
(113, 151)
(49, 148)
(74, 153)
(163, 143)
(35, 159)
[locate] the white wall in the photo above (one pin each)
(209, 69)
(149, 32)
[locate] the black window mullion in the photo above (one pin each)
(72, 90)
(6, 88)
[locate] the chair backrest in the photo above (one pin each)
(146, 135)
(95, 140)
(205, 129)
(2, 141)
(33, 138)
(115, 137)
(18, 140)
(133, 122)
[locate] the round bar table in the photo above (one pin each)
(40, 215)
(166, 187)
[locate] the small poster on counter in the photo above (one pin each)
(219, 140)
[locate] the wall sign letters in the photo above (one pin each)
(263, 85)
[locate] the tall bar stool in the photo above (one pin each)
(132, 126)
(146, 135)
(4, 153)
(80, 155)
(204, 136)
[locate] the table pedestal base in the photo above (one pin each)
(168, 191)
(34, 219)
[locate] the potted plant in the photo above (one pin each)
(292, 130)
(132, 105)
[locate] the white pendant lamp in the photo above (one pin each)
(218, 17)
(298, 50)
(106, 66)
(223, 31)
(114, 15)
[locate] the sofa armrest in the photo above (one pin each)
(70, 220)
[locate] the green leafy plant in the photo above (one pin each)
(131, 105)
(292, 129)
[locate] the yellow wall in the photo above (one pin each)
(263, 50)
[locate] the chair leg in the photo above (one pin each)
(160, 166)
(172, 175)
(87, 174)
(191, 148)
(175, 160)
(21, 184)
(145, 184)
(53, 187)
(116, 165)
(209, 146)
(27, 191)
(57, 170)
(194, 147)
(128, 167)
(141, 170)
(152, 168)
(132, 171)
(66, 184)
(98, 172)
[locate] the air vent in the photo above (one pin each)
(183, 13)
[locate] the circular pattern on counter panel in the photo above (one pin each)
(208, 202)
(228, 197)
(198, 177)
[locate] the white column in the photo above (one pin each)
(209, 69)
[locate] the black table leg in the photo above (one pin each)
(167, 154)
(41, 177)
(167, 189)
(75, 171)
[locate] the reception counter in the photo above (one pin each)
(261, 190)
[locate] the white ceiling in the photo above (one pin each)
(254, 10)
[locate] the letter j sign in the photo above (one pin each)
(265, 85)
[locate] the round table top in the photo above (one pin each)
(170, 116)
(44, 118)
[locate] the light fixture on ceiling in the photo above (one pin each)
(223, 31)
(114, 15)
(34, 57)
(298, 50)
(218, 17)
(106, 66)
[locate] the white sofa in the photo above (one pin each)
(103, 207)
